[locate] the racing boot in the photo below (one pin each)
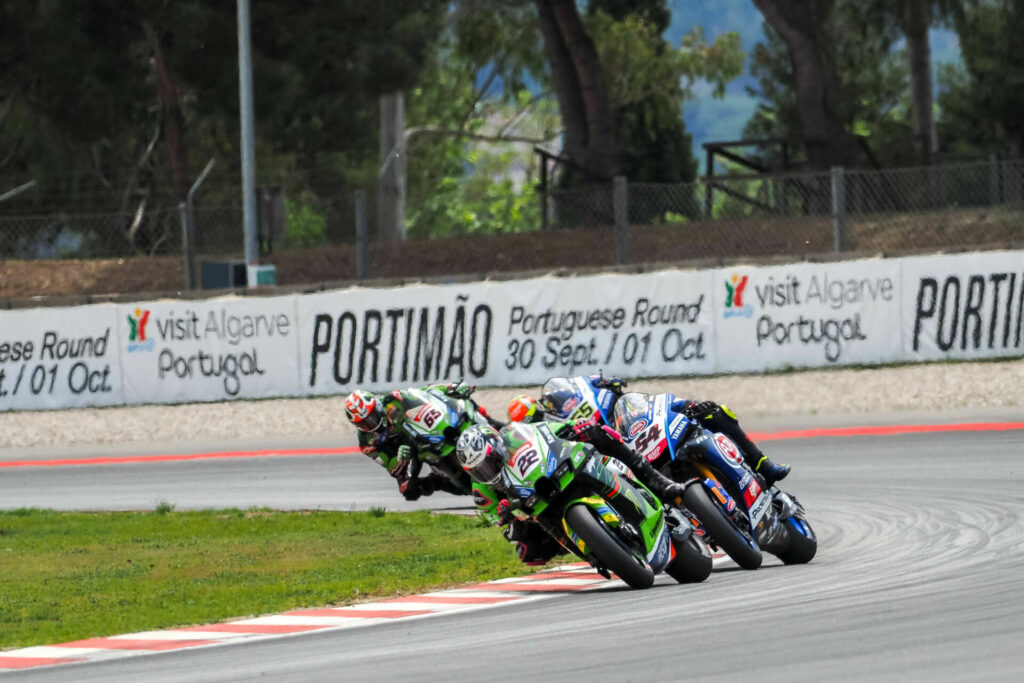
(771, 471)
(667, 490)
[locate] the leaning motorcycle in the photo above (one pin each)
(731, 507)
(560, 484)
(435, 420)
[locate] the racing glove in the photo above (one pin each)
(504, 512)
(614, 384)
(699, 409)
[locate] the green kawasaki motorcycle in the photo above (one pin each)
(435, 420)
(598, 512)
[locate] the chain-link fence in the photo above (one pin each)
(973, 205)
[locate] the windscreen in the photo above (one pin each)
(628, 409)
(558, 395)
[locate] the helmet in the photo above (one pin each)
(365, 411)
(557, 396)
(482, 453)
(525, 408)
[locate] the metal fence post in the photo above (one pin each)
(839, 208)
(620, 202)
(188, 228)
(362, 238)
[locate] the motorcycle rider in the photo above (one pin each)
(482, 453)
(710, 415)
(378, 419)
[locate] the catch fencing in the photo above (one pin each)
(309, 227)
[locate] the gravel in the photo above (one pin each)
(940, 388)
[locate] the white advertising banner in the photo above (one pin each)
(963, 306)
(180, 351)
(807, 315)
(504, 333)
(667, 323)
(59, 358)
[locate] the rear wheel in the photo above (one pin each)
(607, 548)
(692, 563)
(803, 544)
(722, 528)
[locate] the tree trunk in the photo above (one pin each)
(801, 25)
(174, 120)
(915, 28)
(587, 115)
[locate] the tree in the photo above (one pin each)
(802, 26)
(871, 91)
(916, 22)
(991, 98)
(589, 122)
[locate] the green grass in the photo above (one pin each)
(66, 576)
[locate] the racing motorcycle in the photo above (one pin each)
(628, 532)
(731, 508)
(575, 398)
(435, 420)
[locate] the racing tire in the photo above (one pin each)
(692, 563)
(722, 529)
(608, 549)
(802, 546)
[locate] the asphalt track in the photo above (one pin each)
(918, 577)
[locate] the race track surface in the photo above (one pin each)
(918, 577)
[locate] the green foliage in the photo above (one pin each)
(66, 576)
(458, 185)
(648, 82)
(306, 226)
(163, 507)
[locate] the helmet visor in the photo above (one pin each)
(373, 422)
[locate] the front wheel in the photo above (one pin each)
(803, 544)
(723, 530)
(609, 551)
(692, 563)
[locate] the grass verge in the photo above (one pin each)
(66, 576)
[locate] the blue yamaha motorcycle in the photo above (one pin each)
(731, 506)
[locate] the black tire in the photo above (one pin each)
(721, 528)
(608, 549)
(800, 549)
(693, 561)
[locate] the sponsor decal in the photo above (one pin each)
(734, 306)
(137, 340)
(760, 509)
(660, 556)
(727, 448)
(637, 427)
(677, 426)
(751, 493)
